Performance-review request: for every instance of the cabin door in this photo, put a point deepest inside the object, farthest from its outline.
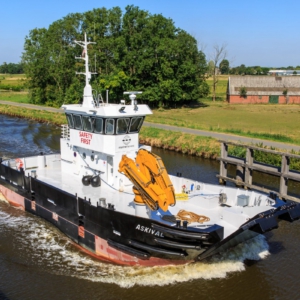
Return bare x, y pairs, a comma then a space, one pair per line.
110, 169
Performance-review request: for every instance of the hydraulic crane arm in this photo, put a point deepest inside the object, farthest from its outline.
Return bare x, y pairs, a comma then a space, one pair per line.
151, 181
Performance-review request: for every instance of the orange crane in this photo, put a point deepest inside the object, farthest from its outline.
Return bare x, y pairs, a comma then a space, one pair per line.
151, 182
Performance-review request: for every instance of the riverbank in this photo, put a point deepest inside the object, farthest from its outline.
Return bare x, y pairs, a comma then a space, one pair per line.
178, 141
175, 141
33, 112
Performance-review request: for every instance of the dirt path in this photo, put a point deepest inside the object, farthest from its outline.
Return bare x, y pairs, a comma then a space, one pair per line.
216, 135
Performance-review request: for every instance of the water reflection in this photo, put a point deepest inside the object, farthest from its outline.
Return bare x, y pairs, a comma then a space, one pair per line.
20, 137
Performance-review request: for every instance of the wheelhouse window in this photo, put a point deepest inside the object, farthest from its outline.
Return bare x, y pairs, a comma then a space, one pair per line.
77, 122
136, 124
97, 125
87, 123
70, 120
122, 125
109, 126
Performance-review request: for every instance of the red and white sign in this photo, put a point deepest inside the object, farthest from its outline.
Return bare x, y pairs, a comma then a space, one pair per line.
85, 137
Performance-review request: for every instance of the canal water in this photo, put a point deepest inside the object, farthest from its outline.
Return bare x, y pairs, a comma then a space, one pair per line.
39, 262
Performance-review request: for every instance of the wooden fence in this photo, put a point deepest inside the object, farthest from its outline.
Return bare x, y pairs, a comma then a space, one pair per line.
246, 166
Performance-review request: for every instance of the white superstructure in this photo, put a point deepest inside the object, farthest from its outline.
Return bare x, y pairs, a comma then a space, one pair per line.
99, 133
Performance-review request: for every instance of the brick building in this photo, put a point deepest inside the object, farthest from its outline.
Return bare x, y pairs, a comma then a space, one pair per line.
263, 89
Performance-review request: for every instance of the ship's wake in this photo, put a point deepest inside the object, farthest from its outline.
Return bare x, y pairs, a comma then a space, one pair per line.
41, 244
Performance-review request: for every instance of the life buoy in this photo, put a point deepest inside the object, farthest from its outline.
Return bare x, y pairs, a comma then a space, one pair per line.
19, 163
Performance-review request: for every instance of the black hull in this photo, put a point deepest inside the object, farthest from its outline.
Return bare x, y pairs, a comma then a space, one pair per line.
123, 238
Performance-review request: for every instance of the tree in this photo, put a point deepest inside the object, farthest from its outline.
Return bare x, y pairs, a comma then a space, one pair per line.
242, 69
134, 50
255, 70
224, 66
210, 68
4, 68
285, 94
243, 92
265, 71
11, 68
49, 60
219, 54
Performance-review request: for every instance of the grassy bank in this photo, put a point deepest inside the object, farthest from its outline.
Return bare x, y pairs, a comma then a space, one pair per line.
266, 121
33, 114
180, 142
175, 141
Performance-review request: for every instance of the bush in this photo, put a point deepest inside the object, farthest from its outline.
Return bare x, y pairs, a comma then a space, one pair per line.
243, 92
16, 88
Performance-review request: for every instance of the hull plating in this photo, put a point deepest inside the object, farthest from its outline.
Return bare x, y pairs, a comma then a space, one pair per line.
83, 239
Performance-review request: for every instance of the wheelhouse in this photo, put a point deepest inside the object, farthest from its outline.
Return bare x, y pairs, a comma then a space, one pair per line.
106, 126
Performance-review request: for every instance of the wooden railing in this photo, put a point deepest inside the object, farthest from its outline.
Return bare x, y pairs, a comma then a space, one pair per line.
246, 166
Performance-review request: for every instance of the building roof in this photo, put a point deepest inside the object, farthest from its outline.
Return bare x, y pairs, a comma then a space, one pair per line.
284, 72
264, 85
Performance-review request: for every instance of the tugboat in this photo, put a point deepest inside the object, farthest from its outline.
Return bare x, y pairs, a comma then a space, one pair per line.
115, 199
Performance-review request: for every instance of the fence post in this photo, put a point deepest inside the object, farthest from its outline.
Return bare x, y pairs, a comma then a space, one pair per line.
249, 164
240, 176
285, 167
223, 164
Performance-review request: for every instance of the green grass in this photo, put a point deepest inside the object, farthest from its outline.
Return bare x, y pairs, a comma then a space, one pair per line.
261, 135
180, 142
20, 97
176, 141
33, 114
220, 89
9, 83
266, 121
12, 79
205, 147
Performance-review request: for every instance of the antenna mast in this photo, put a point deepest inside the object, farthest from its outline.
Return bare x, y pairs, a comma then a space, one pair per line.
88, 99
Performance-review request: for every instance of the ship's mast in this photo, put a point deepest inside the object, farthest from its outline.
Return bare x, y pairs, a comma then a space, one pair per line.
88, 100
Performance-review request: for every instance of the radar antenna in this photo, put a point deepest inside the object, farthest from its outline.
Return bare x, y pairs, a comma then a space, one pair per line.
132, 96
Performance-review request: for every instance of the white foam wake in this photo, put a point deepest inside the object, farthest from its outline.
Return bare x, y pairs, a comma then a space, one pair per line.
45, 246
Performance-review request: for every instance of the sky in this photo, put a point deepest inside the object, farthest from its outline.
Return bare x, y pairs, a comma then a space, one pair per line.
256, 33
